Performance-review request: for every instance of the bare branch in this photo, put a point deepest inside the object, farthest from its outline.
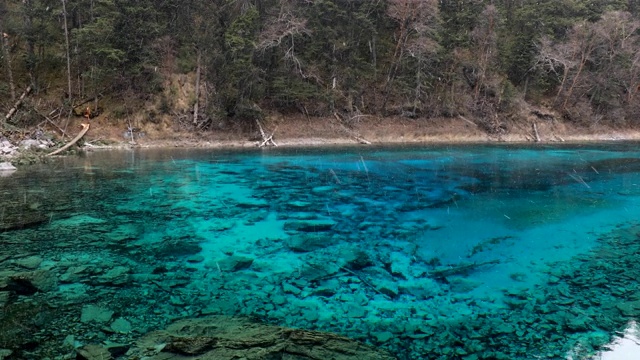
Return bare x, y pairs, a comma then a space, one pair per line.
285, 26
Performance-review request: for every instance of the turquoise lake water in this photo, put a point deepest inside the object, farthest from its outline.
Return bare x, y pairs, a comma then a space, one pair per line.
436, 252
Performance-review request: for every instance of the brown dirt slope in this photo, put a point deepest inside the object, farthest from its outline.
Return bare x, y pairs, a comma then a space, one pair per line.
301, 131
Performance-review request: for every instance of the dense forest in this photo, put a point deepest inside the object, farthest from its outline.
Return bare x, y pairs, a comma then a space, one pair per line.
242, 59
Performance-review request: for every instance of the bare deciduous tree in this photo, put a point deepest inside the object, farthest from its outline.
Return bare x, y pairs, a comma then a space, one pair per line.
281, 32
68, 56
599, 62
414, 37
416, 23
485, 40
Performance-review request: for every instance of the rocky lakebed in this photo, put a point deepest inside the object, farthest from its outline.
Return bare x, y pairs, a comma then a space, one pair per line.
264, 257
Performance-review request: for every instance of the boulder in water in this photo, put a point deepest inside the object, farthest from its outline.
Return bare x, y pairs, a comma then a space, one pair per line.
222, 338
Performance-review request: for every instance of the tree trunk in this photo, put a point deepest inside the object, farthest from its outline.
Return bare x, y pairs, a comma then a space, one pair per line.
31, 55
17, 104
565, 75
66, 38
196, 106
535, 131
574, 82
7, 63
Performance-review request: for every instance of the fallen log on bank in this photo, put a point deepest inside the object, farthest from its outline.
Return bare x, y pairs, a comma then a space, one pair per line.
17, 104
266, 139
350, 132
85, 128
535, 132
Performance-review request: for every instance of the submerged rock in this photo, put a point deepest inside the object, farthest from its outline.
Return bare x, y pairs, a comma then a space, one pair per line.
20, 216
311, 225
31, 262
119, 275
307, 242
6, 166
222, 338
231, 263
93, 352
121, 325
5, 353
97, 314
4, 298
28, 283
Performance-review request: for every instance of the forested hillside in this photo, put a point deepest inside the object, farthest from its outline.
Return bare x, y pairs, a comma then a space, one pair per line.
201, 64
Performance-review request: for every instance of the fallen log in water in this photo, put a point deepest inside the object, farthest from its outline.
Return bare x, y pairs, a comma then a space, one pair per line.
85, 128
460, 269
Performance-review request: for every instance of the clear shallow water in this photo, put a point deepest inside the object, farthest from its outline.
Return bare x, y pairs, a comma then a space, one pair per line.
439, 252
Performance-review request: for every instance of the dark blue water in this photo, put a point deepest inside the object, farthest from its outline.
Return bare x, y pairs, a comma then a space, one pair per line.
465, 252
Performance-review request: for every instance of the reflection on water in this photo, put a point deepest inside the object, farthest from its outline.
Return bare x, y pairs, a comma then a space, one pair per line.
442, 252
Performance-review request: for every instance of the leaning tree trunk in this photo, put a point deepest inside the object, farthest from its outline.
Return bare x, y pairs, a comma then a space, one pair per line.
573, 83
15, 107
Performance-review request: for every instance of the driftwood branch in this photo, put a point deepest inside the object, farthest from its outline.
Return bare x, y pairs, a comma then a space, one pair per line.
85, 128
266, 139
47, 119
350, 132
18, 103
535, 132
467, 120
365, 282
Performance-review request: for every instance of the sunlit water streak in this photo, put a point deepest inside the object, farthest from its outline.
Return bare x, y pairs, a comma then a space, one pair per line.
433, 252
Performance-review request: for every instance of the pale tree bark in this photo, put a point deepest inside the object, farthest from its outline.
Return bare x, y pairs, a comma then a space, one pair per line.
6, 54
485, 38
281, 33
4, 38
581, 65
15, 107
582, 43
66, 38
552, 57
85, 128
7, 62
196, 106
596, 58
28, 23
417, 21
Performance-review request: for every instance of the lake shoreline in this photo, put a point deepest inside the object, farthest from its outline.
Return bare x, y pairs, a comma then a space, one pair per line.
301, 132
